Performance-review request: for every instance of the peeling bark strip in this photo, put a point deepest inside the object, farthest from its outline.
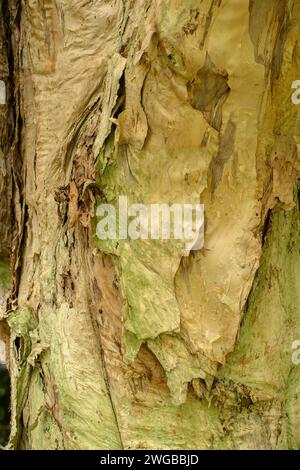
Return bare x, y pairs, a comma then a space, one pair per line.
120, 343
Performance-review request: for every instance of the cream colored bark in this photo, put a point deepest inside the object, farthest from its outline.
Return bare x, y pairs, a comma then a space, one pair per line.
128, 344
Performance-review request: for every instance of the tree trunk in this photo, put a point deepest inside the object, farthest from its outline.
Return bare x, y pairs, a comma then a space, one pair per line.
129, 343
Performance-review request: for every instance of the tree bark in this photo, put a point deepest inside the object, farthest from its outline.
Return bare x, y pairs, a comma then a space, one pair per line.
129, 344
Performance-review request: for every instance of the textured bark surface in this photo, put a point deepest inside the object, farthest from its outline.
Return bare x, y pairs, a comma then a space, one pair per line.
130, 344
